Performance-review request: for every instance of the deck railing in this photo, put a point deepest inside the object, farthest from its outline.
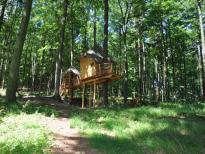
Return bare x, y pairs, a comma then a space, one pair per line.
108, 68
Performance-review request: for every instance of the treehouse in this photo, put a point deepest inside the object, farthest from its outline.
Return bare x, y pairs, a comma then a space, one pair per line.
70, 80
94, 67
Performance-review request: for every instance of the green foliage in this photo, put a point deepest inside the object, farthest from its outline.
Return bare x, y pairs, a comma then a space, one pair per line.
43, 109
168, 128
23, 134
28, 107
168, 30
20, 130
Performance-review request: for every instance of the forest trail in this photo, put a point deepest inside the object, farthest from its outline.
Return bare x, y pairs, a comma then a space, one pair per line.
66, 140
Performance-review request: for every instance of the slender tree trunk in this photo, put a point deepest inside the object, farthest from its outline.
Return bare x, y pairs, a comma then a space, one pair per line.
185, 77
144, 78
60, 52
42, 76
4, 73
24, 67
49, 83
201, 70
126, 72
33, 69
202, 44
172, 60
2, 13
85, 44
1, 66
165, 78
72, 39
12, 83
156, 81
120, 63
71, 52
105, 47
141, 68
95, 28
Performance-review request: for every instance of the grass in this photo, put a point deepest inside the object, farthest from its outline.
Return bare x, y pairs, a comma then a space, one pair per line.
20, 130
167, 128
23, 134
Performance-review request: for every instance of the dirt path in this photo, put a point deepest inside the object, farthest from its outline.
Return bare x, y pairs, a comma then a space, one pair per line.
66, 140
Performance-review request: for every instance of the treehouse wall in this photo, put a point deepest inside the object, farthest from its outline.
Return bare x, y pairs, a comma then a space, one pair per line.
87, 67
70, 80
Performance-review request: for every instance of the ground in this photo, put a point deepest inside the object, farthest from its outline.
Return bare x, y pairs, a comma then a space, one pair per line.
164, 128
66, 139
61, 128
47, 117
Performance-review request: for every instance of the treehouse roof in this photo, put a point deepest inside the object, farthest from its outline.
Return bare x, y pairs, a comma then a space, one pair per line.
73, 70
98, 56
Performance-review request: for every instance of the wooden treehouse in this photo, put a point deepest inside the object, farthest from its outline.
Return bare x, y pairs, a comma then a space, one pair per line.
70, 80
94, 70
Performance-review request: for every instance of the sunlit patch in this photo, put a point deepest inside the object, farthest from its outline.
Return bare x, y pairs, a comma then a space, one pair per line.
168, 128
23, 134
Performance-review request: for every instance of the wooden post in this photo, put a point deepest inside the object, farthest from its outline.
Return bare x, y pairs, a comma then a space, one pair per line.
94, 94
90, 91
83, 96
71, 87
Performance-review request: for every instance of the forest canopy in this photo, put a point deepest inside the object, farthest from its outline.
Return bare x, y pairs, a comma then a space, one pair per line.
159, 45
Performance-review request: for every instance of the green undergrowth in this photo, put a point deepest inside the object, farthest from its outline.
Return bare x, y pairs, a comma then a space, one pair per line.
27, 107
166, 128
23, 134
20, 129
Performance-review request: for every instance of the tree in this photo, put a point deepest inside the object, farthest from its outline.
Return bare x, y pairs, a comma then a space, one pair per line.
2, 12
199, 3
125, 15
105, 48
12, 83
60, 52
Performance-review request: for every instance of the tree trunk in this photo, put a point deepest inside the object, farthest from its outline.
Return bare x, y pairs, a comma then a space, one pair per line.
126, 68
60, 52
33, 69
164, 78
72, 39
156, 81
85, 44
2, 13
4, 73
141, 73
201, 70
105, 47
144, 78
12, 83
95, 28
120, 57
202, 44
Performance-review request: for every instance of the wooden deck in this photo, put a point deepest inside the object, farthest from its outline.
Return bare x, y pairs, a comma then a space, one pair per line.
103, 73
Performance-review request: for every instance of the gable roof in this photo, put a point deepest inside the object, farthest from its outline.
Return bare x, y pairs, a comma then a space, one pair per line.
73, 70
98, 56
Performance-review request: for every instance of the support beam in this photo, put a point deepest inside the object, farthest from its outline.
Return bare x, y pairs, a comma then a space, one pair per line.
90, 98
94, 94
83, 96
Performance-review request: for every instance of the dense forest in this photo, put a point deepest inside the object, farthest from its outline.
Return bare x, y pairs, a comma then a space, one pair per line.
159, 45
102, 76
